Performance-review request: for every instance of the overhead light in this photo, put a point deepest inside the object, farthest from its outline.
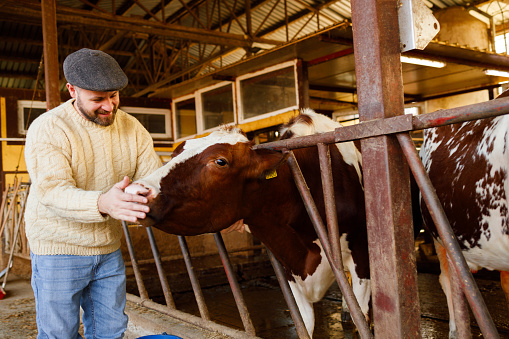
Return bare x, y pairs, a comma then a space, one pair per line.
423, 62
480, 16
496, 73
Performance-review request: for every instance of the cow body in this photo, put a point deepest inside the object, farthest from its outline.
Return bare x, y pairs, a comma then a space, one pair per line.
468, 166
212, 182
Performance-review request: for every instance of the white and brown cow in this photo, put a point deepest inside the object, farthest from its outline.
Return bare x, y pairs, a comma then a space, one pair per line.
468, 165
214, 181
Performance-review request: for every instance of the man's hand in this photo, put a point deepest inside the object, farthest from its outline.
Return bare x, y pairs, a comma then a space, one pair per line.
123, 206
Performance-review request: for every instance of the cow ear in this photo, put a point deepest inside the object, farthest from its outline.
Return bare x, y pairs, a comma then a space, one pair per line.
267, 163
178, 150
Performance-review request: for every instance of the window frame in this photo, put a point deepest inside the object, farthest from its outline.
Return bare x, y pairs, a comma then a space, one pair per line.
174, 112
22, 104
154, 111
200, 122
280, 66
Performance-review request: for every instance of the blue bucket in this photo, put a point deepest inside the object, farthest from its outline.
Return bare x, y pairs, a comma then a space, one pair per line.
159, 336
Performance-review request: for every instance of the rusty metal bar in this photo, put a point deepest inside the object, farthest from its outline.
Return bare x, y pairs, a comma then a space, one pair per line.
397, 124
330, 203
197, 255
396, 309
202, 306
160, 270
449, 241
136, 269
332, 226
288, 295
190, 318
461, 315
314, 215
480, 110
237, 294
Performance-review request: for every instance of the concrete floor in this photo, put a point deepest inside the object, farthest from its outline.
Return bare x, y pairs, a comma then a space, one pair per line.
269, 313
272, 319
17, 317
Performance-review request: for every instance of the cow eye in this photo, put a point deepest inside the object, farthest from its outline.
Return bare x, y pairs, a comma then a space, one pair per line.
221, 162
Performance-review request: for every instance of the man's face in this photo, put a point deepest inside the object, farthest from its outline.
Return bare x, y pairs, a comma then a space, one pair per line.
98, 107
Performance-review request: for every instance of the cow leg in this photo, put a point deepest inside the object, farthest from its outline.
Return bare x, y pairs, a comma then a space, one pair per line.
504, 281
305, 307
446, 286
312, 289
361, 287
346, 317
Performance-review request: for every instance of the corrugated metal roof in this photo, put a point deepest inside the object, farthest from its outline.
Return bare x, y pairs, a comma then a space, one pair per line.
150, 58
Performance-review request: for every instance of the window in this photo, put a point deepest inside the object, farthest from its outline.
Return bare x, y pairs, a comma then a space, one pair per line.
185, 117
216, 106
28, 110
157, 121
273, 90
350, 117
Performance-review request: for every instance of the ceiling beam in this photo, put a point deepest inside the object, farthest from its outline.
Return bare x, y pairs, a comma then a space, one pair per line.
65, 15
156, 88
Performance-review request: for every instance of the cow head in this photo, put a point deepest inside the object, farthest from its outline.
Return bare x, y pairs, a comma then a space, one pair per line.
201, 189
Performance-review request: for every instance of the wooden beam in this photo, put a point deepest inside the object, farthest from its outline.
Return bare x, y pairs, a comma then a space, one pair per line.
72, 16
51, 65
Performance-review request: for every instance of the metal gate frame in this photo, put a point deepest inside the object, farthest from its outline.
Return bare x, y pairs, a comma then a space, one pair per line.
388, 154
397, 128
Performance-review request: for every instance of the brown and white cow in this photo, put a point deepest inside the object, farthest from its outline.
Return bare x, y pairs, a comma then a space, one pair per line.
214, 181
468, 165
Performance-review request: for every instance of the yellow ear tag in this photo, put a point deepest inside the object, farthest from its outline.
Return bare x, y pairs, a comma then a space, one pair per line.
271, 175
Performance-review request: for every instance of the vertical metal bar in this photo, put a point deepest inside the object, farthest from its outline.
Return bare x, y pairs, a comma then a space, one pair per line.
330, 203
461, 315
448, 238
237, 294
332, 225
204, 312
51, 65
341, 278
134, 262
290, 300
160, 270
396, 309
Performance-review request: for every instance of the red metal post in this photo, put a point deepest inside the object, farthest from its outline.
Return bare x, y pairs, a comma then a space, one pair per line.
51, 65
386, 176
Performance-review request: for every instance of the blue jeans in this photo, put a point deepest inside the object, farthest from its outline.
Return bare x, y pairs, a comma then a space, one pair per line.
63, 283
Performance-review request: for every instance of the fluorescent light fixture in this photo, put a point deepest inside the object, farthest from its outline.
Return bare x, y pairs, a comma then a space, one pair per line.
496, 73
480, 17
423, 62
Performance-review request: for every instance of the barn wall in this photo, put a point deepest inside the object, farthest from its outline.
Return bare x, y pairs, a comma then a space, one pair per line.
12, 153
168, 244
457, 100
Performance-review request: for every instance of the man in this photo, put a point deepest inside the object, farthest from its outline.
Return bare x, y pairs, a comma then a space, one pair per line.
80, 156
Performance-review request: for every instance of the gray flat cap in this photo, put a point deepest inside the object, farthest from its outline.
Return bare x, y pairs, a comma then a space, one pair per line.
94, 70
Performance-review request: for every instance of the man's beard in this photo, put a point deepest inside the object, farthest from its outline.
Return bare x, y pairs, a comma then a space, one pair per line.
95, 116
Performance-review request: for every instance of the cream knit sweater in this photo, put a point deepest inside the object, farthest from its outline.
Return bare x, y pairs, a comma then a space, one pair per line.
71, 161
